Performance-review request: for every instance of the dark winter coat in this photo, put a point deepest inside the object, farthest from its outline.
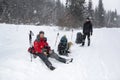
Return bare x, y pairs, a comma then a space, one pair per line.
87, 28
63, 45
64, 40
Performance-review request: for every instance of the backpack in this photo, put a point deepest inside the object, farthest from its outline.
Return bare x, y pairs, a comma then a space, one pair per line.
62, 50
79, 38
63, 46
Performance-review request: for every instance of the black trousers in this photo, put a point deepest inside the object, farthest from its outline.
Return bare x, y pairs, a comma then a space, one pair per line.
84, 37
45, 59
55, 56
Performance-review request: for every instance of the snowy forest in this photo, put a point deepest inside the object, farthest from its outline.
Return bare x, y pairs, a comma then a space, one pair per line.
72, 14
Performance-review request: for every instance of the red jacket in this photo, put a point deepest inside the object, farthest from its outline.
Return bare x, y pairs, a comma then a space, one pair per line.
40, 44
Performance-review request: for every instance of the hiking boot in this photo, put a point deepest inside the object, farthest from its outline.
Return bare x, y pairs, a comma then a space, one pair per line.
89, 43
52, 68
69, 61
83, 44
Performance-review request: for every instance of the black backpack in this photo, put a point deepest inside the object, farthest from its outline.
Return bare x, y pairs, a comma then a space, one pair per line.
79, 38
62, 49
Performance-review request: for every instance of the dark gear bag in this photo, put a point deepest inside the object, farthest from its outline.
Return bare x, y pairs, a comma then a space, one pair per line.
79, 38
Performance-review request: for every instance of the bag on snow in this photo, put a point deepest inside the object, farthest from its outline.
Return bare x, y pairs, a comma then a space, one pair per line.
63, 49
79, 38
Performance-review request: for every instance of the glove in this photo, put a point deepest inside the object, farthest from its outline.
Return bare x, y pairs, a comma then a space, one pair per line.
36, 52
45, 39
46, 47
51, 51
45, 53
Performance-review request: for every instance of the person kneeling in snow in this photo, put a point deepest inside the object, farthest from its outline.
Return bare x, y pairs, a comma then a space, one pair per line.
42, 49
64, 46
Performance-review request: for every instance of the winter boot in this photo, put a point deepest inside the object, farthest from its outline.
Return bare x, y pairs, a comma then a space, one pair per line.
69, 61
68, 51
83, 43
88, 42
52, 68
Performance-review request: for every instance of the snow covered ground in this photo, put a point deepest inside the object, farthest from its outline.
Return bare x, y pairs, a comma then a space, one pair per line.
100, 61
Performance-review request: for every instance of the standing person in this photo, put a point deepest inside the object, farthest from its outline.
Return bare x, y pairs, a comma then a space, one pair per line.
87, 31
43, 50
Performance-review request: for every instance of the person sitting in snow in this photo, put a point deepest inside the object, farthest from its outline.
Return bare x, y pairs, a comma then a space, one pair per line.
64, 46
87, 31
43, 50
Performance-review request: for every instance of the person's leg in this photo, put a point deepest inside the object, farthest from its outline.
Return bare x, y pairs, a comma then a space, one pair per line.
45, 60
63, 52
55, 56
84, 37
88, 37
60, 52
60, 49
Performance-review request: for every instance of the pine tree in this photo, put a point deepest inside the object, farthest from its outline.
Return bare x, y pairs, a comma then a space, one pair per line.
59, 9
90, 9
76, 9
96, 17
101, 14
113, 18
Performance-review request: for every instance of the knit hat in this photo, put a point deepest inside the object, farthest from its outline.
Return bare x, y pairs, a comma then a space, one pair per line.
41, 32
88, 18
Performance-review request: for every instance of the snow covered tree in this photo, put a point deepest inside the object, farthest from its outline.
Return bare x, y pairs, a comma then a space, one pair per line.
96, 17
90, 9
118, 20
27, 11
60, 11
101, 14
76, 9
112, 18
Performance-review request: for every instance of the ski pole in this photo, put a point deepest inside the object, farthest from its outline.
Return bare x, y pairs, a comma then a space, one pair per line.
56, 39
30, 42
72, 35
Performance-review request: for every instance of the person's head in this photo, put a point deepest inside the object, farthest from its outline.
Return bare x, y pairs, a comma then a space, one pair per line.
30, 31
87, 19
41, 34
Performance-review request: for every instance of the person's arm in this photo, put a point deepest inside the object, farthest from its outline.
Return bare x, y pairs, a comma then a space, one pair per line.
46, 44
91, 28
83, 27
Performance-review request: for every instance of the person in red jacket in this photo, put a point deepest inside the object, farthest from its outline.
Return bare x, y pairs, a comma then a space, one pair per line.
43, 50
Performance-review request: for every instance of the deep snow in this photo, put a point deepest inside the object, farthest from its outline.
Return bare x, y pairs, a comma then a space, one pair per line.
100, 61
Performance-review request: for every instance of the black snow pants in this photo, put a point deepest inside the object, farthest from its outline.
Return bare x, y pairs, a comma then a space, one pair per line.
55, 56
84, 37
44, 58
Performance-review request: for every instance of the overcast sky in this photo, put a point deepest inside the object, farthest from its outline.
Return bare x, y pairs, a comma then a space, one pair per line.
108, 4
